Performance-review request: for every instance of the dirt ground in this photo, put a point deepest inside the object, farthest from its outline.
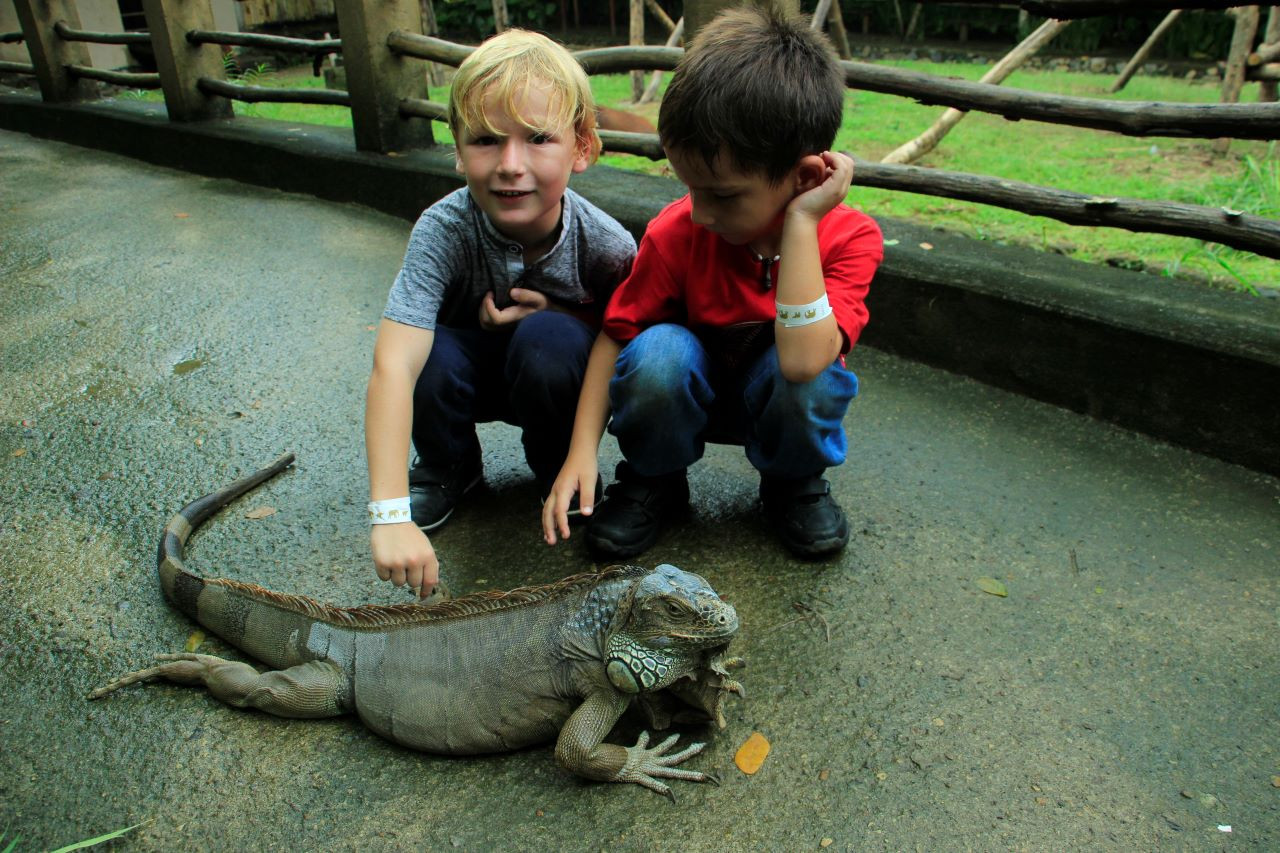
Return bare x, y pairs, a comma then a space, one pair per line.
164, 333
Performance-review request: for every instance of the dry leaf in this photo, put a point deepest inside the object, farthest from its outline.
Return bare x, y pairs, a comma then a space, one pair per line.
21, 451
926, 246
194, 641
826, 842
182, 216
752, 753
992, 586
260, 512
824, 775
1275, 781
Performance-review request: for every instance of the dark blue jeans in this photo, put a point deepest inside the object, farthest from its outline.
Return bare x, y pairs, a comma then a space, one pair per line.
669, 399
528, 377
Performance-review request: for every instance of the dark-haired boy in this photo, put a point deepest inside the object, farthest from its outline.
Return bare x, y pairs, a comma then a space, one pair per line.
742, 301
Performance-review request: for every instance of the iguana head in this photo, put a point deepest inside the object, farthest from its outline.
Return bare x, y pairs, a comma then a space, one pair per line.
672, 618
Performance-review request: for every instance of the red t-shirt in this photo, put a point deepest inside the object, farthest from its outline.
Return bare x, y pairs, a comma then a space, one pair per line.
685, 274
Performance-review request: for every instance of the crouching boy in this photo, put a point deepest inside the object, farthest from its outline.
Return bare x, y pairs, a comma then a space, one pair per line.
743, 299
499, 299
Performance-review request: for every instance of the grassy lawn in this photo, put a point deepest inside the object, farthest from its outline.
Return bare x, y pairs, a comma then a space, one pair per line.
1094, 162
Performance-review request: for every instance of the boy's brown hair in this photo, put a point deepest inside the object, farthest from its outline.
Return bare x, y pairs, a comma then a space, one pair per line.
504, 66
759, 87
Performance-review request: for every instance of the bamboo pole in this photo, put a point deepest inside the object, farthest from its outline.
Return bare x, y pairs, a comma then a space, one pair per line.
927, 141
1143, 52
501, 20
839, 34
661, 14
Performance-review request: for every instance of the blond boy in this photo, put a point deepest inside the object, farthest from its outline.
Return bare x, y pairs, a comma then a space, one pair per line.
498, 301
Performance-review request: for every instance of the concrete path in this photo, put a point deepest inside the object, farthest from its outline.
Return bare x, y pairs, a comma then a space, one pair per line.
162, 334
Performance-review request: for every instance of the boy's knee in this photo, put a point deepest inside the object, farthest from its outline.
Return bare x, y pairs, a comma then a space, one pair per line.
661, 358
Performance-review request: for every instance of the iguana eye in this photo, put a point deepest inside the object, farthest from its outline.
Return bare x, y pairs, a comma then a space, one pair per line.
674, 609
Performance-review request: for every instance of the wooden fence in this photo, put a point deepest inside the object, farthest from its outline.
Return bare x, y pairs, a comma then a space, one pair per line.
383, 49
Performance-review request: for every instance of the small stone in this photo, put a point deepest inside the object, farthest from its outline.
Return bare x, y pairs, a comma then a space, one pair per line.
826, 842
824, 774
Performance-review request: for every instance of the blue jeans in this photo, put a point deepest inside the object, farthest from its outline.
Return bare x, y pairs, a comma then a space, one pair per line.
528, 377
669, 398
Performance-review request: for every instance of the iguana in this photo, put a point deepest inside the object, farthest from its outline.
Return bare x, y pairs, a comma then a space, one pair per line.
487, 672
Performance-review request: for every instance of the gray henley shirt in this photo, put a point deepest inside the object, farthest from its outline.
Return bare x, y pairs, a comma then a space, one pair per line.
455, 256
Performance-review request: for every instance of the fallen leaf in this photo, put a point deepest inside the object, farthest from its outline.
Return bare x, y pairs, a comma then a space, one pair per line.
21, 451
182, 216
824, 775
1275, 781
194, 641
260, 512
826, 842
752, 753
891, 242
370, 328
992, 587
926, 246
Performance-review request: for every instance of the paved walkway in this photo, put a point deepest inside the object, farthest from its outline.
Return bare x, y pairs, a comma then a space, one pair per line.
163, 333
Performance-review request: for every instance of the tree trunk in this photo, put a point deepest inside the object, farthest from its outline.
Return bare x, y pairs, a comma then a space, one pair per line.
1143, 52
1233, 79
838, 33
637, 40
1271, 38
927, 141
501, 21
655, 80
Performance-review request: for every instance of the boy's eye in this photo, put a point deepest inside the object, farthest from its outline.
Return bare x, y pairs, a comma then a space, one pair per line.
485, 140
540, 138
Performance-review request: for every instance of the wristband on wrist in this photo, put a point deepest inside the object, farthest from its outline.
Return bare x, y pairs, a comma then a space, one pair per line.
803, 315
392, 511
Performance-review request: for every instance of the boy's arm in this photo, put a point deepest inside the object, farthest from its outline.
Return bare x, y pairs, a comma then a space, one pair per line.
805, 351
581, 466
401, 552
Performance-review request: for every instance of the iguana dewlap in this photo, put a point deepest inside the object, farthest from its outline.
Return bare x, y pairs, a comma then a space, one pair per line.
485, 673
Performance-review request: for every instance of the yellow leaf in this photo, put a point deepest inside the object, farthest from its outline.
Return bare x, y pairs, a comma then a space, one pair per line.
194, 641
21, 451
992, 587
752, 753
926, 246
260, 512
182, 216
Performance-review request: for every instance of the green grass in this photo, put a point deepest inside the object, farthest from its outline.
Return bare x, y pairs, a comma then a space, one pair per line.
1086, 161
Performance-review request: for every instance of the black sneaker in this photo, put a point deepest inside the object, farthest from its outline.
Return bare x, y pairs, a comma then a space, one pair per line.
637, 507
803, 512
434, 490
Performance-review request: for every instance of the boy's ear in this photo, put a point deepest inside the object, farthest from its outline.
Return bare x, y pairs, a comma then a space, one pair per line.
583, 150
810, 172
457, 161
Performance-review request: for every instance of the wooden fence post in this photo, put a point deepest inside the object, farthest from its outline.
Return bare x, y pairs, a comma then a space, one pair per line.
378, 79
1267, 93
1233, 79
181, 64
637, 40
50, 53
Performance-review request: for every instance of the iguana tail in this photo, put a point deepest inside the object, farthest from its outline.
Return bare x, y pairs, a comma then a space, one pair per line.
179, 585
263, 623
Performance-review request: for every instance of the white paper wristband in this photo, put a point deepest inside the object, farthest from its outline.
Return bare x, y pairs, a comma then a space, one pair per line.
393, 511
803, 315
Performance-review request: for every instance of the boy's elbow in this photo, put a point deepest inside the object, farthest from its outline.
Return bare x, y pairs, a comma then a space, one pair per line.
801, 373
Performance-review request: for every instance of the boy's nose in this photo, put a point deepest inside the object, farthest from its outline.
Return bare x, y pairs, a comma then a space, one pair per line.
512, 161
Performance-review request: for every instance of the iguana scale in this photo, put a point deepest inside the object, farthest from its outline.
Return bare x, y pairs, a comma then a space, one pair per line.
488, 672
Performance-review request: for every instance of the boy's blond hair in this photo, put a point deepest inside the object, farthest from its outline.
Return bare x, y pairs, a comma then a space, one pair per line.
504, 67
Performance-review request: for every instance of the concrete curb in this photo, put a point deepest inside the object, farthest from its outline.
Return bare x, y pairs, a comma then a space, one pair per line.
1192, 366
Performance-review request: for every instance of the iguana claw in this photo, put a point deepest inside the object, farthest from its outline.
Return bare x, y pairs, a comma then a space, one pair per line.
643, 764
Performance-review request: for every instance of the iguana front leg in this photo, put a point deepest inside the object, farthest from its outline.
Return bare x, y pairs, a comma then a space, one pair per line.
310, 690
581, 749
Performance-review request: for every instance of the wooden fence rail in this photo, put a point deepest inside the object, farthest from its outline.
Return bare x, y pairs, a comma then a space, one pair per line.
386, 96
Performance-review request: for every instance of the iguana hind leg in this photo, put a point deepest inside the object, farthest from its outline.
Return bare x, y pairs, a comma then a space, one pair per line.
307, 691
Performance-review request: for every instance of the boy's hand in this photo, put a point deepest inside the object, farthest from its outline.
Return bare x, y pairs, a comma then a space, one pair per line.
821, 199
579, 479
403, 555
526, 302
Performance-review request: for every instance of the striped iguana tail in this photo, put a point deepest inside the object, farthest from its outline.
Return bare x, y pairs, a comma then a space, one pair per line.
181, 586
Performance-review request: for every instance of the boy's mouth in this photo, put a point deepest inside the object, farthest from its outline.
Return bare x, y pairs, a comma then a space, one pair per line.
512, 193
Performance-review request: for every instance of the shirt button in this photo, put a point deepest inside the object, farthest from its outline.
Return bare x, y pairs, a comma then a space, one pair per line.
515, 250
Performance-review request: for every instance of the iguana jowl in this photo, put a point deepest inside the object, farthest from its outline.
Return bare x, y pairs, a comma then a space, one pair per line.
484, 673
